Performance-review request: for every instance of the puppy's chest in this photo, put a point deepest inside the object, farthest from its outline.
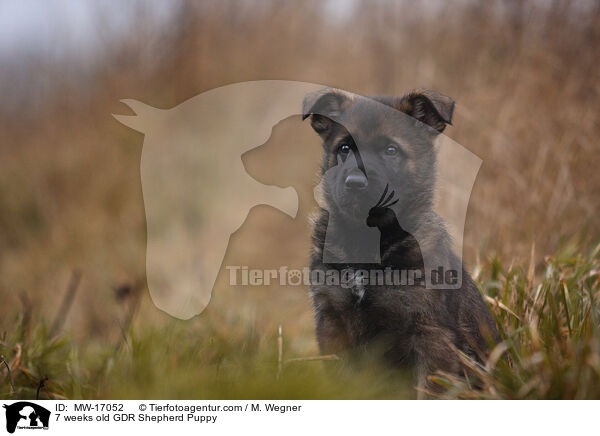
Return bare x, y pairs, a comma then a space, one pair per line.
368, 310
357, 288
358, 293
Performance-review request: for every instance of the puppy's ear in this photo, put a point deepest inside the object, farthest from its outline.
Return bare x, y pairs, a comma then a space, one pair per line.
429, 107
321, 106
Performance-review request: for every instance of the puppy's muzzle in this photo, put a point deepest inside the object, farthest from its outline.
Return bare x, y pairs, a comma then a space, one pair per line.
356, 179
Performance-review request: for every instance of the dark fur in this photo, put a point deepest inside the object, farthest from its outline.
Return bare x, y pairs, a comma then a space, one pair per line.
407, 326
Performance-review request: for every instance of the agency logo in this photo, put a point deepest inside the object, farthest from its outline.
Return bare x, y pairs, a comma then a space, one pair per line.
24, 415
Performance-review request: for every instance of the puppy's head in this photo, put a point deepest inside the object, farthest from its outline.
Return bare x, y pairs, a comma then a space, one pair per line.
373, 142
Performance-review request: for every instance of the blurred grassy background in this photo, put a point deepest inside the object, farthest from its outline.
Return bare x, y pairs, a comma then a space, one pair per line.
524, 75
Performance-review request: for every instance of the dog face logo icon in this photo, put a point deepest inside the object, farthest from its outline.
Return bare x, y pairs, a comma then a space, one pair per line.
26, 415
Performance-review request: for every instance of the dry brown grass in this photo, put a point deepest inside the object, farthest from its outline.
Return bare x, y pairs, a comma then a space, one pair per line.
524, 76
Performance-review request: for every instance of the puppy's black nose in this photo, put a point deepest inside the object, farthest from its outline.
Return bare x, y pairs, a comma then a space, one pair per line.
356, 179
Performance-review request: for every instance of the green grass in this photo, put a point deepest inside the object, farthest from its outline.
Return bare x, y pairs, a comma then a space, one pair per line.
551, 331
548, 315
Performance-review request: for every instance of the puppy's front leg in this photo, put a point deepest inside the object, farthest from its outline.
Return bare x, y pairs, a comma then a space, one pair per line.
434, 352
331, 333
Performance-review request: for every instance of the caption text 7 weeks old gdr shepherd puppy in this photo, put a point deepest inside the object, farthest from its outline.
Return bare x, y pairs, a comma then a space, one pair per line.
408, 325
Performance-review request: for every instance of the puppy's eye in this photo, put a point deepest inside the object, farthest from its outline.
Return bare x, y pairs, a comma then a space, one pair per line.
344, 148
391, 150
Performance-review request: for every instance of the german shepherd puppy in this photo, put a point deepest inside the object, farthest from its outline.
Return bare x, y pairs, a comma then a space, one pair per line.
407, 325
